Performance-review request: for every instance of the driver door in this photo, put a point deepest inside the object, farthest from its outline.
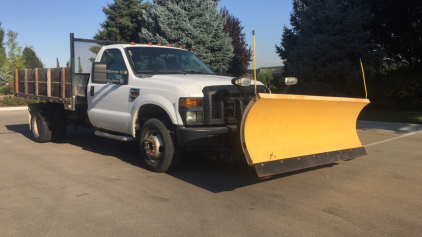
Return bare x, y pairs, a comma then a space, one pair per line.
108, 102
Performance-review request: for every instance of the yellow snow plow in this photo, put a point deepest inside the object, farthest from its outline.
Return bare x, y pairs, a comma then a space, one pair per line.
284, 132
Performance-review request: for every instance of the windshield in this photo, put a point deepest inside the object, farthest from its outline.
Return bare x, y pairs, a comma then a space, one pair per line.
153, 60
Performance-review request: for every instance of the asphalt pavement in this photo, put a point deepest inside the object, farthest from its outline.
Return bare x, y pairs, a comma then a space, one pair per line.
94, 186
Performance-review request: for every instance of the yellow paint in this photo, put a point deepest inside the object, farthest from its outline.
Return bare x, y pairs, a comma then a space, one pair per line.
286, 126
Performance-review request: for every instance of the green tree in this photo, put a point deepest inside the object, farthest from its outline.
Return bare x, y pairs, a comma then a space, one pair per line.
325, 43
30, 58
122, 21
68, 64
57, 63
397, 27
14, 55
266, 78
3, 59
242, 54
196, 25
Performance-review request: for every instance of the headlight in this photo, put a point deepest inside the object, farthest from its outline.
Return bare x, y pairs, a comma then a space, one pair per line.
193, 117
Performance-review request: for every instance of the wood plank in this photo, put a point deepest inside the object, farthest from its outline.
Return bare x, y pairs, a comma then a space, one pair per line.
26, 81
21, 83
36, 81
16, 81
31, 81
49, 82
63, 82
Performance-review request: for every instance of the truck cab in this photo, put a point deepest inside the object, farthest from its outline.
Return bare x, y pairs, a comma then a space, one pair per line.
131, 84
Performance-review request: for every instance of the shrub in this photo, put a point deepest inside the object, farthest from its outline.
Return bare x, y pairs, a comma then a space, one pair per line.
7, 89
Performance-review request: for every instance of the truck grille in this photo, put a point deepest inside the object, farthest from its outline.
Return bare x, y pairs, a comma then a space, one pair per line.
222, 104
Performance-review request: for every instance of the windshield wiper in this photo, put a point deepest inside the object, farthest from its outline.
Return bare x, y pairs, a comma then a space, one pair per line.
193, 72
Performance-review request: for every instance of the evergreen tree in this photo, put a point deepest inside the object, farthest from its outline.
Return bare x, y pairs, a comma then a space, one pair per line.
57, 63
242, 54
327, 39
30, 58
195, 24
122, 23
397, 27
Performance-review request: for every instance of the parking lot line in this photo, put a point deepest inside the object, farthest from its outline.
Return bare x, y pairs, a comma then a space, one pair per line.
391, 139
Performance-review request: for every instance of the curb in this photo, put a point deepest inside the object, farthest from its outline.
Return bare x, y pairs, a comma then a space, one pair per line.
397, 127
13, 108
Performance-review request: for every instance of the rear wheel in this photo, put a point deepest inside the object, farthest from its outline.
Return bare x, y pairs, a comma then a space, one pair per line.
157, 145
40, 130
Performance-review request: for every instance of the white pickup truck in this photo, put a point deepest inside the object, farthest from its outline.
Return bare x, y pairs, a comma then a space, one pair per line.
162, 96
168, 100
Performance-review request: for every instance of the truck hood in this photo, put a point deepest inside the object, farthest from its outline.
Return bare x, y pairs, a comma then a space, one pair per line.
195, 83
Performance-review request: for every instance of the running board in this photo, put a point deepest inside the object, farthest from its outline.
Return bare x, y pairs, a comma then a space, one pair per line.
115, 137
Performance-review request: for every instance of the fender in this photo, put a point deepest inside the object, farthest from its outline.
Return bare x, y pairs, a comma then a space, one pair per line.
158, 100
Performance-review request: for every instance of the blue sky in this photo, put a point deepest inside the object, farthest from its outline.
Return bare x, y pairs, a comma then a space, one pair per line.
46, 24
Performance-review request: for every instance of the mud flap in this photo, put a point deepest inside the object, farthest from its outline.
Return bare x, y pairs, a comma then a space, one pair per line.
282, 133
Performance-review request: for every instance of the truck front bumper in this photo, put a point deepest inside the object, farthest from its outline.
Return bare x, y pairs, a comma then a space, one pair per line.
206, 136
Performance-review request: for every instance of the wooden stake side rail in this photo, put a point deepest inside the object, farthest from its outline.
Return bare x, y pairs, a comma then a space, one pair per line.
51, 84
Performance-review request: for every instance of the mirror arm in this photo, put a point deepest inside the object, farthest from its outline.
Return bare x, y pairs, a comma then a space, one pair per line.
243, 93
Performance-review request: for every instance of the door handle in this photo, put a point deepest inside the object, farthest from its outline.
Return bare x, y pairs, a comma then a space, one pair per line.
92, 91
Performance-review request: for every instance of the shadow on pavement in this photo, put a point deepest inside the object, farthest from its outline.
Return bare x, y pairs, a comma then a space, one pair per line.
213, 176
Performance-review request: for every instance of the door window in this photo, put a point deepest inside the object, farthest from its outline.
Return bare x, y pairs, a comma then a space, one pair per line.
114, 60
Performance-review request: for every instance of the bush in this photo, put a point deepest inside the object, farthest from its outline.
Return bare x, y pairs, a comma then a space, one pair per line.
7, 89
396, 89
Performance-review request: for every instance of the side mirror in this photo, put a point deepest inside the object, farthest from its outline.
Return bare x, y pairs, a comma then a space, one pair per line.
99, 74
221, 71
289, 81
240, 81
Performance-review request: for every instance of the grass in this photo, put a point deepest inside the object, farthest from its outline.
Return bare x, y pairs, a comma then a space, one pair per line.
391, 116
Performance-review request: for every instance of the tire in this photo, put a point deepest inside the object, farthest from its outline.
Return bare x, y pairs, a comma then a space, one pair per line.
40, 130
158, 146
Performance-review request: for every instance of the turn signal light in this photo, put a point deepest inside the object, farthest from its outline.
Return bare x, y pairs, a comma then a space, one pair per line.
190, 102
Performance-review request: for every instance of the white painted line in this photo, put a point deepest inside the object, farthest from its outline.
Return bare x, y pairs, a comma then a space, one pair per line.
13, 108
405, 135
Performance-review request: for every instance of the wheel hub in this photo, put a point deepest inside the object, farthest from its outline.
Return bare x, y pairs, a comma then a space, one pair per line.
153, 146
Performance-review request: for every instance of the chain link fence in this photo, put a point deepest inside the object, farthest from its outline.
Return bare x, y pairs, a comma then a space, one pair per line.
84, 52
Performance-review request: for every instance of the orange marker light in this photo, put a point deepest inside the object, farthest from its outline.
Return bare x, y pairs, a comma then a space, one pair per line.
193, 102
159, 44
168, 45
190, 102
132, 43
180, 47
182, 103
149, 43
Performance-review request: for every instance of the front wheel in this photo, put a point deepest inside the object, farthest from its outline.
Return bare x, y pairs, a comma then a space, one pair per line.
158, 147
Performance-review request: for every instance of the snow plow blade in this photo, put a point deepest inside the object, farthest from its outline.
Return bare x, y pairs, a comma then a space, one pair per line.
282, 133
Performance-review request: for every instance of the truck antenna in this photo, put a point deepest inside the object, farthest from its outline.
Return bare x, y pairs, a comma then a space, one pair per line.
364, 82
254, 61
